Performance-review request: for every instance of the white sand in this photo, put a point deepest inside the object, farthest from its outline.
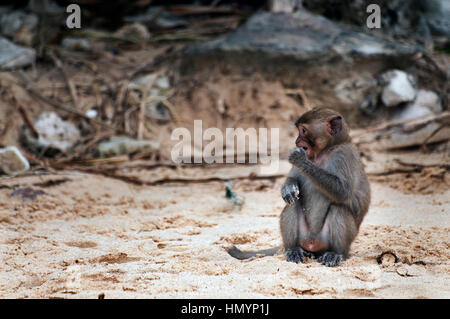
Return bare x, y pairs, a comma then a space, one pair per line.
95, 235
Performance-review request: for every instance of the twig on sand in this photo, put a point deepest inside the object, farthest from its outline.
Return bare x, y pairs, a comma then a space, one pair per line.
141, 118
70, 84
24, 82
137, 181
25, 117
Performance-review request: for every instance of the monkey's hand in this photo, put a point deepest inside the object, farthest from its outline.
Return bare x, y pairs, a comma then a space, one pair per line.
297, 157
290, 193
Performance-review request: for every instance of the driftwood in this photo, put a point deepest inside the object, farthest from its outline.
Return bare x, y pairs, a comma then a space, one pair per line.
189, 180
403, 134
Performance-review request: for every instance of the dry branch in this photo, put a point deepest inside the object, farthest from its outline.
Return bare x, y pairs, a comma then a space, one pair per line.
70, 84
137, 181
25, 117
25, 83
402, 134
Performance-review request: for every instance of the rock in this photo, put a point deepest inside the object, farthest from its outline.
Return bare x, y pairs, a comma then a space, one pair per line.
19, 26
47, 7
410, 270
135, 31
399, 19
92, 113
426, 103
142, 82
284, 5
303, 36
162, 82
398, 88
55, 134
158, 17
12, 162
436, 14
412, 111
15, 56
118, 145
77, 44
429, 99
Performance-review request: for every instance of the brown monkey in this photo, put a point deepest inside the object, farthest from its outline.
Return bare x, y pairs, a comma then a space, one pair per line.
327, 192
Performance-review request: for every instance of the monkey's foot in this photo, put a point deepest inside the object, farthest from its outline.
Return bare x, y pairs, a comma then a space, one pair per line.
330, 259
296, 255
308, 254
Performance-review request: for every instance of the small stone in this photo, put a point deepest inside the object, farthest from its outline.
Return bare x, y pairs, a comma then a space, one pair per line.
142, 82
158, 17
284, 5
399, 88
412, 111
19, 26
163, 82
428, 99
12, 162
15, 56
77, 44
135, 31
118, 145
426, 103
410, 270
53, 133
92, 114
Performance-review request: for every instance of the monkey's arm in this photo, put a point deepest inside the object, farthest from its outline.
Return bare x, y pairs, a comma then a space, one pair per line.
333, 182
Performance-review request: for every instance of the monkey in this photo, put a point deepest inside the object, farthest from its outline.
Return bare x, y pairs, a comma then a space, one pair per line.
327, 192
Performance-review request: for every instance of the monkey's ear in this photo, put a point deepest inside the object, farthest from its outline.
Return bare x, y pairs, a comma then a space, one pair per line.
334, 125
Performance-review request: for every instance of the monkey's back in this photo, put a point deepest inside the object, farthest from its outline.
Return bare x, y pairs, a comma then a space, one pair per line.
342, 161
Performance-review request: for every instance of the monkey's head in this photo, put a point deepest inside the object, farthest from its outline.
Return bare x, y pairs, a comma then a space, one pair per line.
319, 129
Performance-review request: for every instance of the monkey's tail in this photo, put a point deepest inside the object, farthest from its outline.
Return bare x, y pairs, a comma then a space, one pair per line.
239, 254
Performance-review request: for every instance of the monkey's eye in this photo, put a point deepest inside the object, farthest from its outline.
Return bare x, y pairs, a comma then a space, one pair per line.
303, 130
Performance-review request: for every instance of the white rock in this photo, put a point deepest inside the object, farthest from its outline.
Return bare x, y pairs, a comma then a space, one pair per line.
284, 5
142, 82
12, 162
428, 99
412, 111
426, 103
77, 44
136, 31
92, 114
54, 132
118, 145
15, 56
163, 82
399, 88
